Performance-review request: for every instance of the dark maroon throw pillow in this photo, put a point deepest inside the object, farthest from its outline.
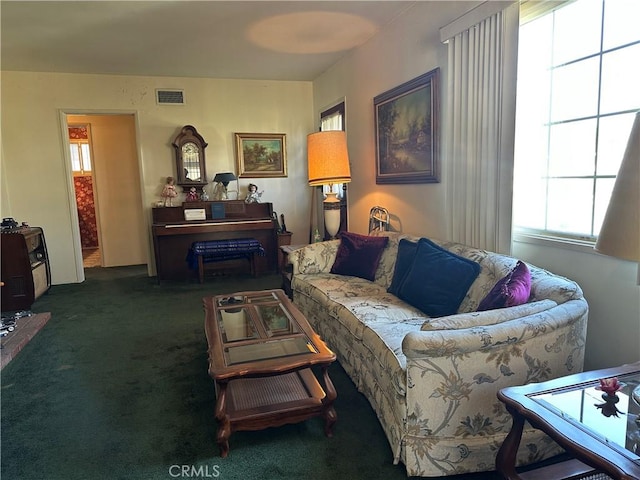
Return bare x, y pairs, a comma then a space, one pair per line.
359, 255
511, 290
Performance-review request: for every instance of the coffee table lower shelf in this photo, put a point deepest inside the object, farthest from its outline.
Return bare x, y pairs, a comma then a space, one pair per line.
262, 402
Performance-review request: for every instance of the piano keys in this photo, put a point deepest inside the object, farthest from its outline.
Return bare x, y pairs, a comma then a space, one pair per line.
173, 235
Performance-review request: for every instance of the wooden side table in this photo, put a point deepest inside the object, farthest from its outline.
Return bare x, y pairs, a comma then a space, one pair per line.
285, 268
571, 411
284, 238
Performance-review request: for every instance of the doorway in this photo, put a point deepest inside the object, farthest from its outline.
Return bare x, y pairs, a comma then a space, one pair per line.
108, 192
81, 167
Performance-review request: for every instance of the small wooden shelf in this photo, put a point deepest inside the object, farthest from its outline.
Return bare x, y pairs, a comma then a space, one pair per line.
254, 400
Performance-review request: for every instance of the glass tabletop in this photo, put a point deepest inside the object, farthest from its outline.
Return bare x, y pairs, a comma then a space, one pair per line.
259, 327
613, 420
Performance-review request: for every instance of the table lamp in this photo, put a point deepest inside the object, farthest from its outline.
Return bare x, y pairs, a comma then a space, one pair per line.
222, 182
328, 164
620, 233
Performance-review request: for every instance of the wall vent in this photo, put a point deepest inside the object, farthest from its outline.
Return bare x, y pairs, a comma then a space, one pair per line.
170, 97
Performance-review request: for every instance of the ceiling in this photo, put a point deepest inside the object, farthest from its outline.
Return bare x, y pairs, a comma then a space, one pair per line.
276, 40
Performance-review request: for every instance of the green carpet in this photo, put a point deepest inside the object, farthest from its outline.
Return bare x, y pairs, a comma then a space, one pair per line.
115, 386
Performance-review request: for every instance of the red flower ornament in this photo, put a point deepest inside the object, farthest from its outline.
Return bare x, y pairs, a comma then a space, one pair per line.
610, 386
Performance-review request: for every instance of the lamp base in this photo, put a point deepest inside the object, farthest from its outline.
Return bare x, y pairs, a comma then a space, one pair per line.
331, 207
219, 192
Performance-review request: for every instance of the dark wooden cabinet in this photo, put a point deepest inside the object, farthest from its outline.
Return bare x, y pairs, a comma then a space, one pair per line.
26, 274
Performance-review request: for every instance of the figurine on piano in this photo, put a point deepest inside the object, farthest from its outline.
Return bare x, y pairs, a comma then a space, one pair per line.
253, 196
192, 196
169, 192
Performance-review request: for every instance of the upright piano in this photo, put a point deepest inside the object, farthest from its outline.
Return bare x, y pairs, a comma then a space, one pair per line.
173, 235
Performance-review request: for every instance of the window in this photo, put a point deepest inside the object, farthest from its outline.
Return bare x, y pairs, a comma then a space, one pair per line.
578, 77
333, 119
80, 157
80, 149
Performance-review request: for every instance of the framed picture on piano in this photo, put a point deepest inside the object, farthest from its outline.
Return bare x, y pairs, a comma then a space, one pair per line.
261, 155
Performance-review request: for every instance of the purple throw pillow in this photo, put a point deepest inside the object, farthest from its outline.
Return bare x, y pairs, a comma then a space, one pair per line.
511, 290
359, 255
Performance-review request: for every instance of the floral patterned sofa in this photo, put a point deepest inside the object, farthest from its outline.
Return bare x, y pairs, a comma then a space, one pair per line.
433, 381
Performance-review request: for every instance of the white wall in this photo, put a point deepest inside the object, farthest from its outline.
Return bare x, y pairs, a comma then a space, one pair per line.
34, 180
609, 285
405, 49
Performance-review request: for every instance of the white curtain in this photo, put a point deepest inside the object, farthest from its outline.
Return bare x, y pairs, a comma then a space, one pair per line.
317, 213
480, 130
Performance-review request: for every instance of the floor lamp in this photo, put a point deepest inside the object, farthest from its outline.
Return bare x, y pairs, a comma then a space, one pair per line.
620, 232
328, 164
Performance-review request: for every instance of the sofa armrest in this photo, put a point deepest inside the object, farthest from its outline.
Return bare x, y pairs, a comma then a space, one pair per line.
487, 317
314, 258
445, 343
453, 375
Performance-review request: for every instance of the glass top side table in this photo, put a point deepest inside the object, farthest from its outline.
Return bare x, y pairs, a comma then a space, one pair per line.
614, 420
602, 435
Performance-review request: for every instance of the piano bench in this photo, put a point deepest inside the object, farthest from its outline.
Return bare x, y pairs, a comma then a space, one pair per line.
211, 251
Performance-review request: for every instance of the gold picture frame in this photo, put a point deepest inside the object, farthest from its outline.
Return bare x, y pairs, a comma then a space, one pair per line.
261, 155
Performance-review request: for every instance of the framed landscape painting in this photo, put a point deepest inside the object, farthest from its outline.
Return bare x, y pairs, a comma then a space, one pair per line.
407, 131
261, 155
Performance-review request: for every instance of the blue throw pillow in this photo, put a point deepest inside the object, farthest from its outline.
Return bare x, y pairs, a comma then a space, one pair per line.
404, 259
438, 280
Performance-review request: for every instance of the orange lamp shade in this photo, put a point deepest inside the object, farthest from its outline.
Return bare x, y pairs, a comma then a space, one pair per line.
328, 158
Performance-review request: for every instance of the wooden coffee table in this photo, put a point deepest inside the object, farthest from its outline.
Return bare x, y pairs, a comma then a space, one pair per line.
261, 350
601, 436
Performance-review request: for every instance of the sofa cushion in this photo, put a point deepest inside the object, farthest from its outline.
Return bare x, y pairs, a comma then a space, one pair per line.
406, 254
355, 302
358, 255
490, 317
511, 290
438, 280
